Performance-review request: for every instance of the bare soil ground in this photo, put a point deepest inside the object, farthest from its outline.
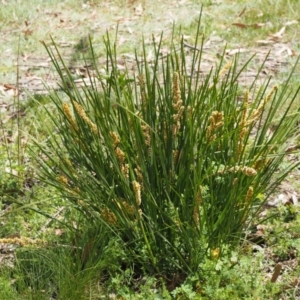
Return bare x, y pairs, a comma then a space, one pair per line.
69, 24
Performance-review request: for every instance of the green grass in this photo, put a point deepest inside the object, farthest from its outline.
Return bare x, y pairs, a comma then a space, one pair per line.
76, 272
79, 171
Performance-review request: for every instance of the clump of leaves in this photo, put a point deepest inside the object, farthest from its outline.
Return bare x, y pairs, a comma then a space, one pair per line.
172, 164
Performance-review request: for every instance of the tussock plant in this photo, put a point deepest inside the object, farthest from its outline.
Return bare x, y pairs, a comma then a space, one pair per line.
173, 164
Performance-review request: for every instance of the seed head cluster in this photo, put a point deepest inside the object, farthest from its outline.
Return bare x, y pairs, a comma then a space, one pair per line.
248, 171
225, 69
115, 138
108, 216
177, 105
249, 194
146, 133
62, 179
80, 110
256, 114
216, 120
23, 241
67, 111
137, 192
125, 170
120, 155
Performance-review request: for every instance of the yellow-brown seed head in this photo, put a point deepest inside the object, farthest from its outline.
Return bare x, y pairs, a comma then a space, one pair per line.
85, 118
225, 69
115, 137
215, 120
258, 112
243, 122
73, 191
234, 169
125, 170
269, 96
81, 202
249, 194
176, 89
108, 216
62, 179
139, 174
129, 209
80, 111
137, 192
146, 132
23, 241
120, 155
248, 171
176, 128
260, 163
69, 116
177, 116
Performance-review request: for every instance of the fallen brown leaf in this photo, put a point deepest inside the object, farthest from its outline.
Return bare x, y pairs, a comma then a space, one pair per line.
241, 25
255, 26
8, 86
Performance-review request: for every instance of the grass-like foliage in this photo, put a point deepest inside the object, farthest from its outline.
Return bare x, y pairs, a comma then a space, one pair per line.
173, 164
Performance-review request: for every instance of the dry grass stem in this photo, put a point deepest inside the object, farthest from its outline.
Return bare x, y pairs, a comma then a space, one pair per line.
23, 241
